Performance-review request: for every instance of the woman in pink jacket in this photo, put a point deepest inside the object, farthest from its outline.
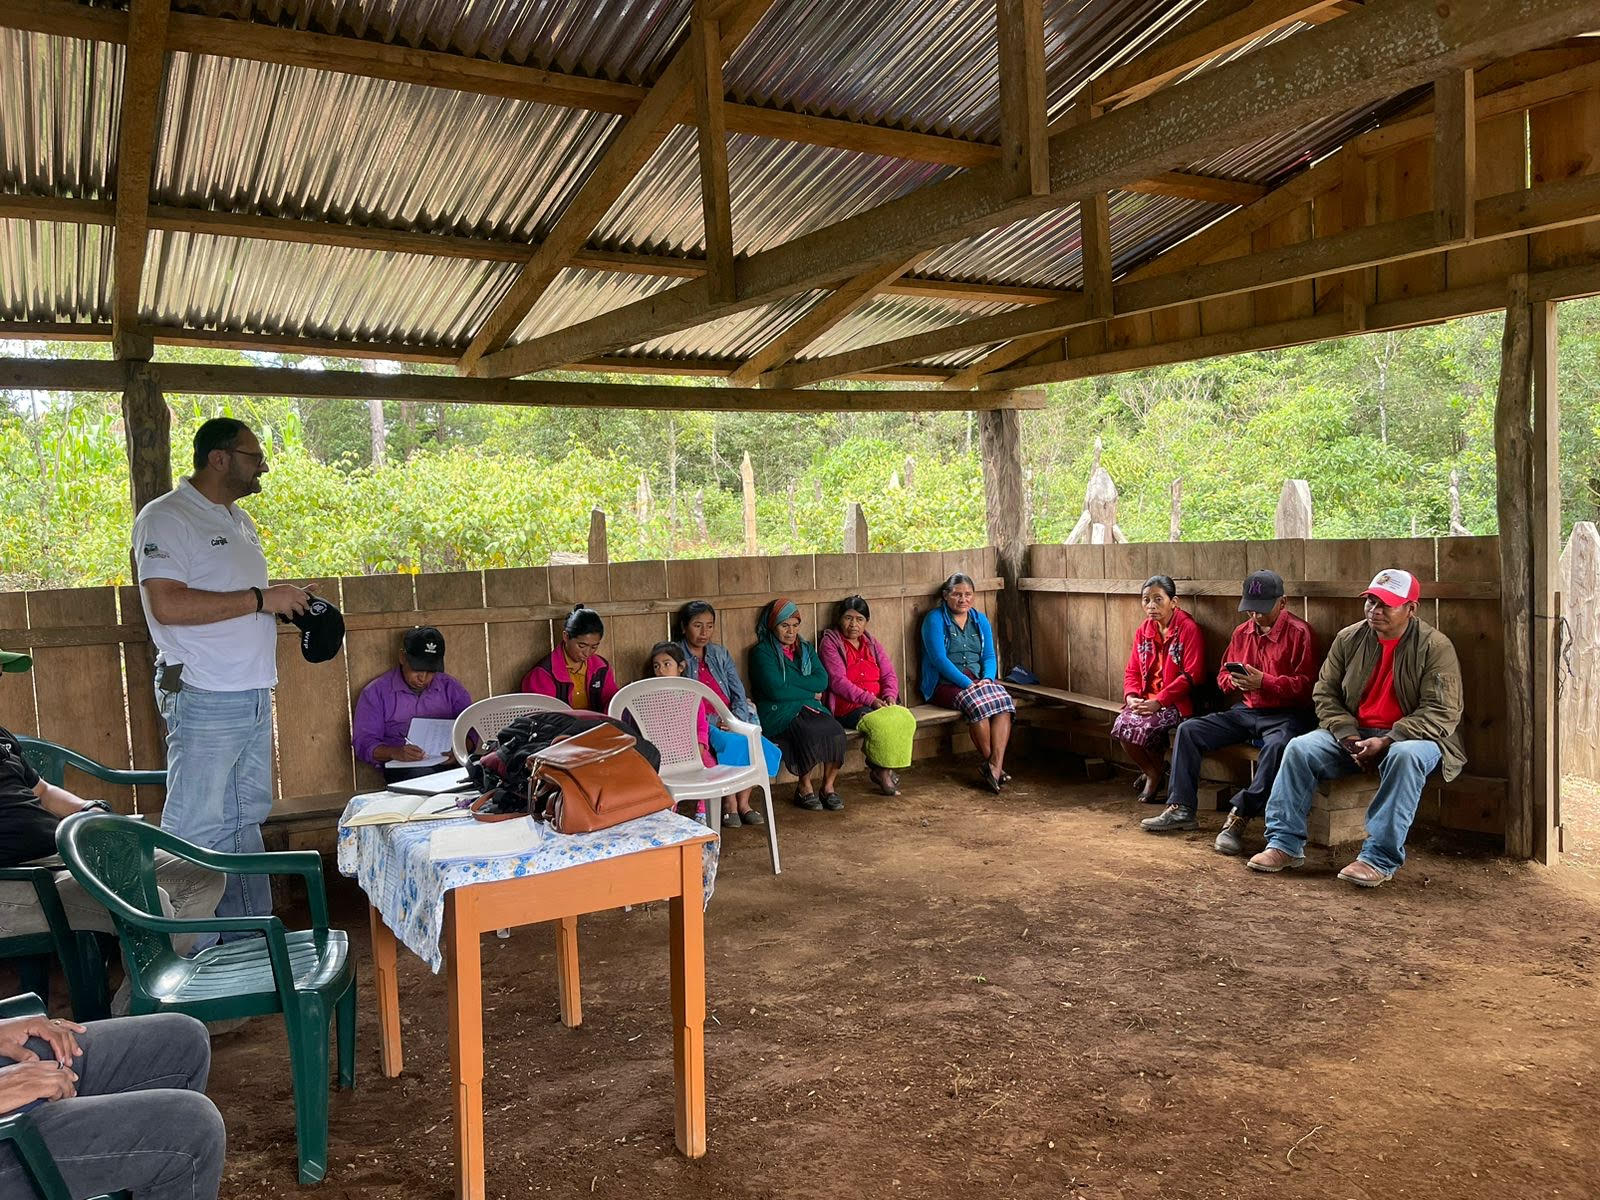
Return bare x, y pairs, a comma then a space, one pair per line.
864, 693
1168, 656
574, 673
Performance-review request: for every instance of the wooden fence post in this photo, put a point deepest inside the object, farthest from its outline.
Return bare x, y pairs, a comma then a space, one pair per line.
146, 423
747, 476
1580, 695
1175, 522
599, 551
1293, 518
855, 529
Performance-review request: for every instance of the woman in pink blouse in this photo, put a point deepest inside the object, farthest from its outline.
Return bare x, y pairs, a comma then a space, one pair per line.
864, 693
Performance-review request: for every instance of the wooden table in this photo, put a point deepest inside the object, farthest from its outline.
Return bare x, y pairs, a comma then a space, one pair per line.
670, 873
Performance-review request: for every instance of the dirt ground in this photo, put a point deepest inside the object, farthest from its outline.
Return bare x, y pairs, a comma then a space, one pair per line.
951, 995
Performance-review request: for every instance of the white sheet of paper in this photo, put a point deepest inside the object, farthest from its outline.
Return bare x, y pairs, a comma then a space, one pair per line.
431, 735
486, 839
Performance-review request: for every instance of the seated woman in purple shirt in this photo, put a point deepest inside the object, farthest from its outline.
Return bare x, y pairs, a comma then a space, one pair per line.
417, 687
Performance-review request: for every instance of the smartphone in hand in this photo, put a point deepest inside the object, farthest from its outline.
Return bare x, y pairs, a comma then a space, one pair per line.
1234, 668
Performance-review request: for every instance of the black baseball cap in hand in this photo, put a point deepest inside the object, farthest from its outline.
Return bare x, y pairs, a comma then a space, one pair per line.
1262, 589
321, 630
423, 647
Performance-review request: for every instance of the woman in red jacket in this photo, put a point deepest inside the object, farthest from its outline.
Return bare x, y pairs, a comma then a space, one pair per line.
1168, 656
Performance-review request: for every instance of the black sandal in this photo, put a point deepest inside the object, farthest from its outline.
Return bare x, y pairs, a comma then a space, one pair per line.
809, 801
988, 779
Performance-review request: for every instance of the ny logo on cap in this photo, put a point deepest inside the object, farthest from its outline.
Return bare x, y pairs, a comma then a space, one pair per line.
1255, 587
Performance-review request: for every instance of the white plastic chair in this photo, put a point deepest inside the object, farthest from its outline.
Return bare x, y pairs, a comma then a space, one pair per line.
489, 716
666, 712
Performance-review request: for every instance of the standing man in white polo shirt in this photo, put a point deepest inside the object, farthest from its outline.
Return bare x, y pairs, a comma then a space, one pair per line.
213, 619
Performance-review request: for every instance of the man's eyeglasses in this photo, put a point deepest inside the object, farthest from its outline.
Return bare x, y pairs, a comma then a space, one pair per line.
257, 455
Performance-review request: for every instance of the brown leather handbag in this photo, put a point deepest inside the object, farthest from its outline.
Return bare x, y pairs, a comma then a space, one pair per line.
594, 780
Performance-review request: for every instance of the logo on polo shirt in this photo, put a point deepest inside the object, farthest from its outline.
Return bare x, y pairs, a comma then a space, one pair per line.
151, 550
219, 540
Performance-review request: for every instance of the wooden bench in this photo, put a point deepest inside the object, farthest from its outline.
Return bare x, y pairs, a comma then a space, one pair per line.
1337, 815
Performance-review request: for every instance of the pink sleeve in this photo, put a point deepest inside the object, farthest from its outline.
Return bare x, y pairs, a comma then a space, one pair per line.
540, 682
609, 688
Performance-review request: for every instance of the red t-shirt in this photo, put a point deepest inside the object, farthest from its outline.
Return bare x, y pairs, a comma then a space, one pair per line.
1379, 707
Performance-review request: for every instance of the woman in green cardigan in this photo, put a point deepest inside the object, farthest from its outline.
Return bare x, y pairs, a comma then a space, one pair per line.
786, 679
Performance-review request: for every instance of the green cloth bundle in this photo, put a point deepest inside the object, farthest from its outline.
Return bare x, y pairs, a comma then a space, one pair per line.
886, 735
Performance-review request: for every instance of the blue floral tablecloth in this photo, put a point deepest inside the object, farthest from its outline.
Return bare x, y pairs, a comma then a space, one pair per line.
391, 864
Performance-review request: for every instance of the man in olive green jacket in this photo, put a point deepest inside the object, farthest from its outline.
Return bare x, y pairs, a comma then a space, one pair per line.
1388, 698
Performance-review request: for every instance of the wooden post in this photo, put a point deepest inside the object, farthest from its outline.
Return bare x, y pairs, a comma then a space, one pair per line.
1545, 532
1455, 156
1580, 694
599, 551
1175, 523
855, 529
1006, 508
146, 423
747, 476
1457, 529
1513, 454
1293, 518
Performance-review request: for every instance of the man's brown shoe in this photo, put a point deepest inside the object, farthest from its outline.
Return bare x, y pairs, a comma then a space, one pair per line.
1363, 874
1272, 860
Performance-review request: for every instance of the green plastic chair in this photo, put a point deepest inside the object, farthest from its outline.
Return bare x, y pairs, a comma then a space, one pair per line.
52, 761
307, 975
18, 1129
80, 953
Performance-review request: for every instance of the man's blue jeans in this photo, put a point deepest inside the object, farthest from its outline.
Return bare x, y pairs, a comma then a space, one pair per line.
1316, 756
219, 781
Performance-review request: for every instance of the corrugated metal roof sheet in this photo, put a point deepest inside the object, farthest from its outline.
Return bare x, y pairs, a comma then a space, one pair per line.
257, 137
51, 272
212, 282
59, 99
287, 141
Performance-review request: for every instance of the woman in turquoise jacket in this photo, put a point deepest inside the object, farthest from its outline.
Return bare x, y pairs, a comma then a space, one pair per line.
959, 671
787, 678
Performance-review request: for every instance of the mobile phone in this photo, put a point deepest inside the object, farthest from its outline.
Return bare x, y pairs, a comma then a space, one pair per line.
1234, 668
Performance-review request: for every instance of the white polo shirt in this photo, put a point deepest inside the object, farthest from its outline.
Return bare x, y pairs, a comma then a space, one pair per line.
211, 548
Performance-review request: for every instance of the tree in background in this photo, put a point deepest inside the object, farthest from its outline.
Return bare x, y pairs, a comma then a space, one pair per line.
1376, 424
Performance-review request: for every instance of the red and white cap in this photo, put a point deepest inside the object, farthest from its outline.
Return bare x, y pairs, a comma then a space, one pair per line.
1394, 587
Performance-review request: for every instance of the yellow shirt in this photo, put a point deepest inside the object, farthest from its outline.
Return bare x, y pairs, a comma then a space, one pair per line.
579, 674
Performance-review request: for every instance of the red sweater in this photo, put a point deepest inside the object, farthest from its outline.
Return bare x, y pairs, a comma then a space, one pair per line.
1170, 666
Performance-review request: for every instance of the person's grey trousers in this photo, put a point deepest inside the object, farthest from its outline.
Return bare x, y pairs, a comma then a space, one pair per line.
140, 1122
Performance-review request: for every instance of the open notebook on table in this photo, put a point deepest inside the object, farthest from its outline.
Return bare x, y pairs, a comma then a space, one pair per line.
396, 810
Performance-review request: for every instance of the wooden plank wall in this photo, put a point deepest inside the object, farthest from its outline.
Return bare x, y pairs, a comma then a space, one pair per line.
91, 687
1082, 637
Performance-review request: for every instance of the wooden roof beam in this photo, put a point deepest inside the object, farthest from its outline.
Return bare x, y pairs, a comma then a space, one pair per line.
142, 74
1163, 63
705, 42
817, 320
625, 155
1024, 133
206, 380
70, 211
1547, 206
1368, 56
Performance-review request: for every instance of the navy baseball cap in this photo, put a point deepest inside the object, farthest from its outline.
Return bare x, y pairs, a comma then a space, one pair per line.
1262, 589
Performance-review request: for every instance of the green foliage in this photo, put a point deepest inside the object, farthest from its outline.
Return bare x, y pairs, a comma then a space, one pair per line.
1375, 424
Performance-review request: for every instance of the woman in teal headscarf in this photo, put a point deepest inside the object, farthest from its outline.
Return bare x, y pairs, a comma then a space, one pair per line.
787, 678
